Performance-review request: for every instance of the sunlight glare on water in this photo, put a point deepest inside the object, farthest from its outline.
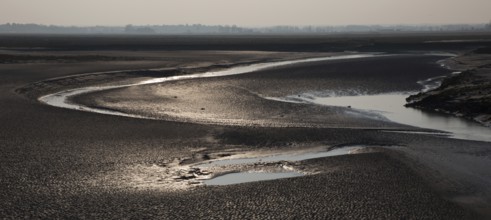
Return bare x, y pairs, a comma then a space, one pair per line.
236, 178
392, 107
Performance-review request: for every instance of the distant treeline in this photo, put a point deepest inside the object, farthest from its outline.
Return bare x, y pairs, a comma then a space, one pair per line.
226, 29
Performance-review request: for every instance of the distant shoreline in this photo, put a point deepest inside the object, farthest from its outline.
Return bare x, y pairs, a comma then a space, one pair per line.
194, 29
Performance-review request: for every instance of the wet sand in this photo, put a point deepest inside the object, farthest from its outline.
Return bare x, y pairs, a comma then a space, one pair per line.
240, 99
60, 163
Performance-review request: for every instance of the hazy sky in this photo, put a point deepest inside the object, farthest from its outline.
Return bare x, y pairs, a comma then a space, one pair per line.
244, 13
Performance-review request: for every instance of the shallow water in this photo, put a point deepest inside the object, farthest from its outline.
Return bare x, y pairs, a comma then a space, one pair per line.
391, 106
244, 177
236, 178
294, 156
61, 99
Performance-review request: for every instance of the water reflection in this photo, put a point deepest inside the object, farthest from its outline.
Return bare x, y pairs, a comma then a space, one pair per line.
293, 156
235, 178
62, 99
391, 106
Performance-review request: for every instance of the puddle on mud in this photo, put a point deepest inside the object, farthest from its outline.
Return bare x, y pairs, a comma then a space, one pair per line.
285, 172
174, 175
294, 156
246, 177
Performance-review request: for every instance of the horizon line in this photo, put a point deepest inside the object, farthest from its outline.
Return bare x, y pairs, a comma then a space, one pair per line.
250, 26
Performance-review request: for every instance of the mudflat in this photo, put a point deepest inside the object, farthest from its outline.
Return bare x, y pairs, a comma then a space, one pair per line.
63, 163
